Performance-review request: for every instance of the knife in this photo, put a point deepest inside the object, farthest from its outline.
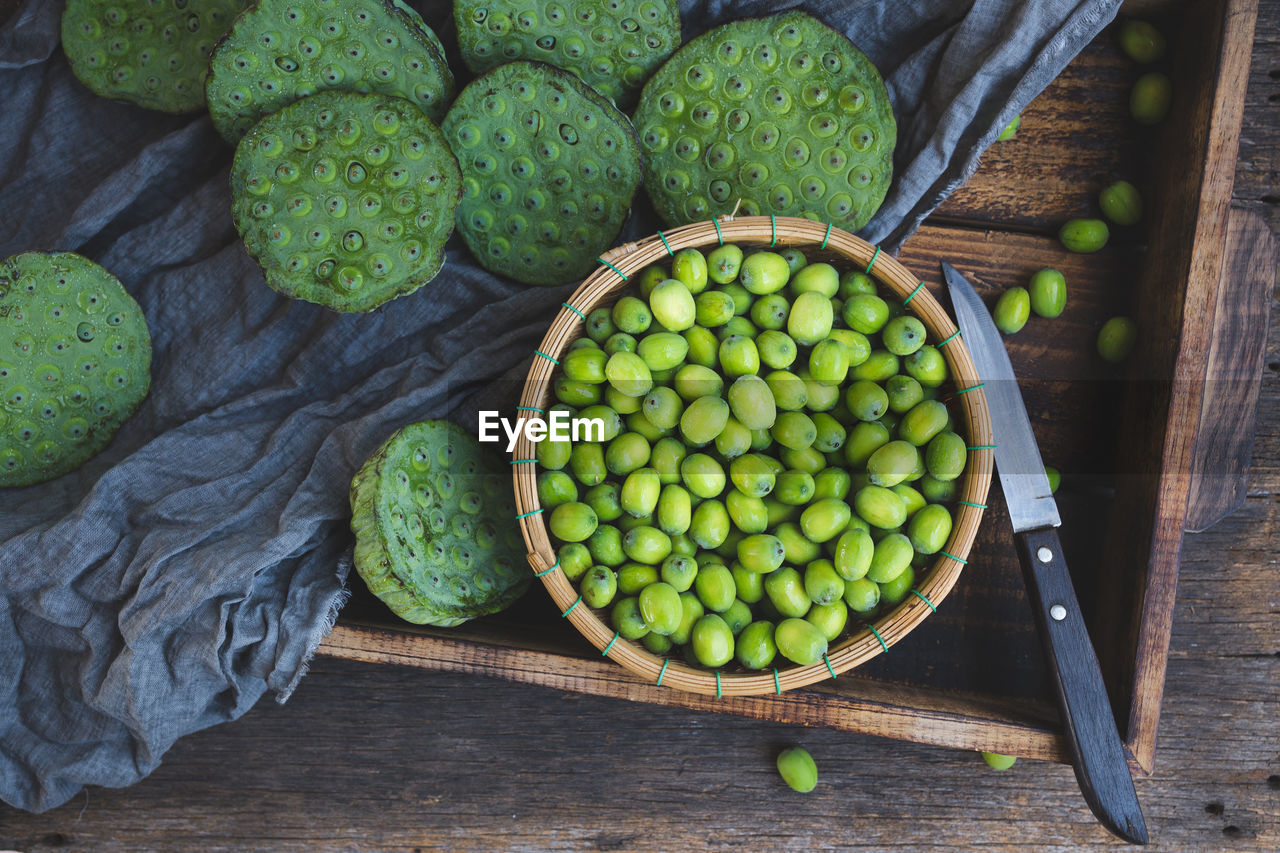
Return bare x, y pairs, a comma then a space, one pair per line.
1092, 739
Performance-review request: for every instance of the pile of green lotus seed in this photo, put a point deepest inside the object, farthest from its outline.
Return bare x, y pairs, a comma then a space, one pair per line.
777, 456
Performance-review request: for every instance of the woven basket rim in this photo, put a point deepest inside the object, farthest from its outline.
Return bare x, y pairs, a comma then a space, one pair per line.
617, 267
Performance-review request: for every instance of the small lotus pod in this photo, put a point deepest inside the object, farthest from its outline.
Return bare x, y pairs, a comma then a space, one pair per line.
345, 200
782, 113
435, 524
153, 53
75, 363
549, 168
282, 50
613, 47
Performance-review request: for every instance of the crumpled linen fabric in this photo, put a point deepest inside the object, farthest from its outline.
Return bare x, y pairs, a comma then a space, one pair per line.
197, 562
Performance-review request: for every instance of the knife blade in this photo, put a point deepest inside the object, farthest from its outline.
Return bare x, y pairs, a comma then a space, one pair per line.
1090, 728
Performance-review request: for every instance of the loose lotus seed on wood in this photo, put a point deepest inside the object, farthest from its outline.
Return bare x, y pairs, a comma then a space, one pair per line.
613, 46
283, 50
434, 519
782, 113
549, 169
75, 363
345, 200
153, 53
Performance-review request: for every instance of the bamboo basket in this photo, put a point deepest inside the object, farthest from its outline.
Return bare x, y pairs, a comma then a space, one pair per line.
843, 250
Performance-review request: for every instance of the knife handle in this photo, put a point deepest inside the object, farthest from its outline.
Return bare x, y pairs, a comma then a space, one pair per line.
1089, 724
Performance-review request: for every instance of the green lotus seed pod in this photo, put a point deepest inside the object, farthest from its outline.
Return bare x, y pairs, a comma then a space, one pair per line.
627, 41
1116, 339
155, 55
350, 244
431, 513
282, 50
1048, 291
559, 165
1010, 130
1141, 41
799, 641
1121, 203
75, 363
1149, 99
1012, 310
780, 114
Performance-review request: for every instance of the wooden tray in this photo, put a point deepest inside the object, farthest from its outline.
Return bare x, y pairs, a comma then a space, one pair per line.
1146, 451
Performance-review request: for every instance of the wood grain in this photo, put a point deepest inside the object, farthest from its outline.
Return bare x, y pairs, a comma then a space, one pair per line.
1224, 437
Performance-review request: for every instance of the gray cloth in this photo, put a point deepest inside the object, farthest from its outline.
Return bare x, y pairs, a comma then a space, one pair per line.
196, 563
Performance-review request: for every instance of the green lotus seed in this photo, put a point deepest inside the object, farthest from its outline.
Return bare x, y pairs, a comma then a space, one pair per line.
1012, 310
1121, 203
1150, 97
1117, 338
1048, 290
1141, 41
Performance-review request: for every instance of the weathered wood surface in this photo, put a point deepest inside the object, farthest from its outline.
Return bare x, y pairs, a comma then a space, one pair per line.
377, 757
